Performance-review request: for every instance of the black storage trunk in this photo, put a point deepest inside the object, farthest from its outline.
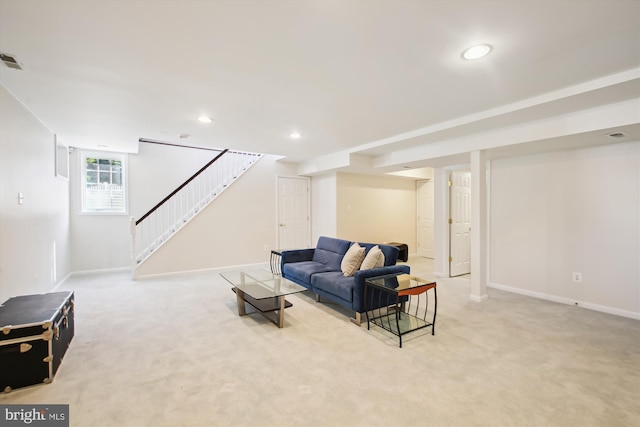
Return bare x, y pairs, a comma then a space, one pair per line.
35, 332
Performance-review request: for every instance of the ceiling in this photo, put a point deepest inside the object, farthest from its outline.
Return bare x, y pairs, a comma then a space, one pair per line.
371, 79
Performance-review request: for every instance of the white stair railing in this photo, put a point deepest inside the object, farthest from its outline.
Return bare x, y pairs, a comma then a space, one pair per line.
155, 227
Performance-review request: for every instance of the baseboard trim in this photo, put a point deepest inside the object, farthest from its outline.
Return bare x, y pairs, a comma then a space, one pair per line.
203, 270
567, 301
100, 271
61, 282
479, 298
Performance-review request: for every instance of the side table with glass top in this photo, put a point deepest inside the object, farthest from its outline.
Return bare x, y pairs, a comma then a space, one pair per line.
405, 302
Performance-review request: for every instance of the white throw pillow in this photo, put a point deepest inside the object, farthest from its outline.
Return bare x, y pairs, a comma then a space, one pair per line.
352, 260
374, 259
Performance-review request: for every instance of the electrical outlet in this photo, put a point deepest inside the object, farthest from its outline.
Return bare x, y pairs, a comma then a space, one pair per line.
266, 248
577, 277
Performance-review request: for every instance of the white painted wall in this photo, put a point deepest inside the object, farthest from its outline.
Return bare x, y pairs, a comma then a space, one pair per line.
28, 232
323, 206
232, 231
156, 170
376, 209
572, 211
152, 173
98, 242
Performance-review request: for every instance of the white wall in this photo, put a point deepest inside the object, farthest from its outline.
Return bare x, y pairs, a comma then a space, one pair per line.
232, 231
376, 209
323, 206
573, 211
103, 242
156, 170
29, 232
98, 242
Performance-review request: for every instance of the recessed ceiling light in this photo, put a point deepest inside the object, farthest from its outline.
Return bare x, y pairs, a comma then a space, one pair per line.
204, 119
294, 135
477, 51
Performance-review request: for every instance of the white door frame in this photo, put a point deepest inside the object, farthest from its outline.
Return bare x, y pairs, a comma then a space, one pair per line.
277, 224
441, 218
440, 221
461, 228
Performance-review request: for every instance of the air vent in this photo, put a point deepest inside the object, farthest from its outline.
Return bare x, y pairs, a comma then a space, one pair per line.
10, 61
617, 135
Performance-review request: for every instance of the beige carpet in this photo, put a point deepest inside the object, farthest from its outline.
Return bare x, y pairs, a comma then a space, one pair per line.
173, 352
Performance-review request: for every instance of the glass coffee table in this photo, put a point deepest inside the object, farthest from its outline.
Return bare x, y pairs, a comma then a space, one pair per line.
406, 303
262, 290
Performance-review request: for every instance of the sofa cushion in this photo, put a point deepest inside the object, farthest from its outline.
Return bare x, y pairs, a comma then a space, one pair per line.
390, 252
330, 251
334, 283
352, 260
373, 259
302, 271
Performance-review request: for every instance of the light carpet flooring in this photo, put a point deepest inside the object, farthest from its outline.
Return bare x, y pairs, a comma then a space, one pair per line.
174, 352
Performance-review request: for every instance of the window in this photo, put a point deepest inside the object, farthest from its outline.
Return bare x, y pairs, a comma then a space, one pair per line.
103, 183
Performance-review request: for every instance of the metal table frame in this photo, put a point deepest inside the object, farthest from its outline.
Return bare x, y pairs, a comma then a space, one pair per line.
400, 295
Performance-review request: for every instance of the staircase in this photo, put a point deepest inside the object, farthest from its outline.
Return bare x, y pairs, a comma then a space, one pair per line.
165, 219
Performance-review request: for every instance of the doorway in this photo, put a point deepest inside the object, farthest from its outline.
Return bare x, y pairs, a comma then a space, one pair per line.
459, 223
293, 213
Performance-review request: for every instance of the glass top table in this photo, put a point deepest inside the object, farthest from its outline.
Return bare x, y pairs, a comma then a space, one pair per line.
407, 302
400, 283
263, 290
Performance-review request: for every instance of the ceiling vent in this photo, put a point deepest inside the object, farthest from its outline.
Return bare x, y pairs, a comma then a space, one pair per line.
617, 135
10, 61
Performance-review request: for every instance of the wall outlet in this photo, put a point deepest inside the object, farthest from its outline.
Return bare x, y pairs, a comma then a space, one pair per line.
577, 277
266, 248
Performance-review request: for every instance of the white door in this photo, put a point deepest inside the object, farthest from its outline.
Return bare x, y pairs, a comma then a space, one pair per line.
460, 223
293, 213
425, 218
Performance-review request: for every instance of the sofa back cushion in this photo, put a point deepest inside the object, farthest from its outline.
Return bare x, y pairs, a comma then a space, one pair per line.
330, 251
390, 252
352, 260
374, 259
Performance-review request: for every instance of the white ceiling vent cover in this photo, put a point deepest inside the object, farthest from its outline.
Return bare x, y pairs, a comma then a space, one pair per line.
10, 61
617, 135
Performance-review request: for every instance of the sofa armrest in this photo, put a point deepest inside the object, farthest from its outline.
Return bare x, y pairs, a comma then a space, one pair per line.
362, 275
296, 255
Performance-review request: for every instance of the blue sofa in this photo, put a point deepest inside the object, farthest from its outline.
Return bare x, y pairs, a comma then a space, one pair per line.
318, 269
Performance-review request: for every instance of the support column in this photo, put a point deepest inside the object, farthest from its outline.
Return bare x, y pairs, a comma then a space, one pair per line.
478, 226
